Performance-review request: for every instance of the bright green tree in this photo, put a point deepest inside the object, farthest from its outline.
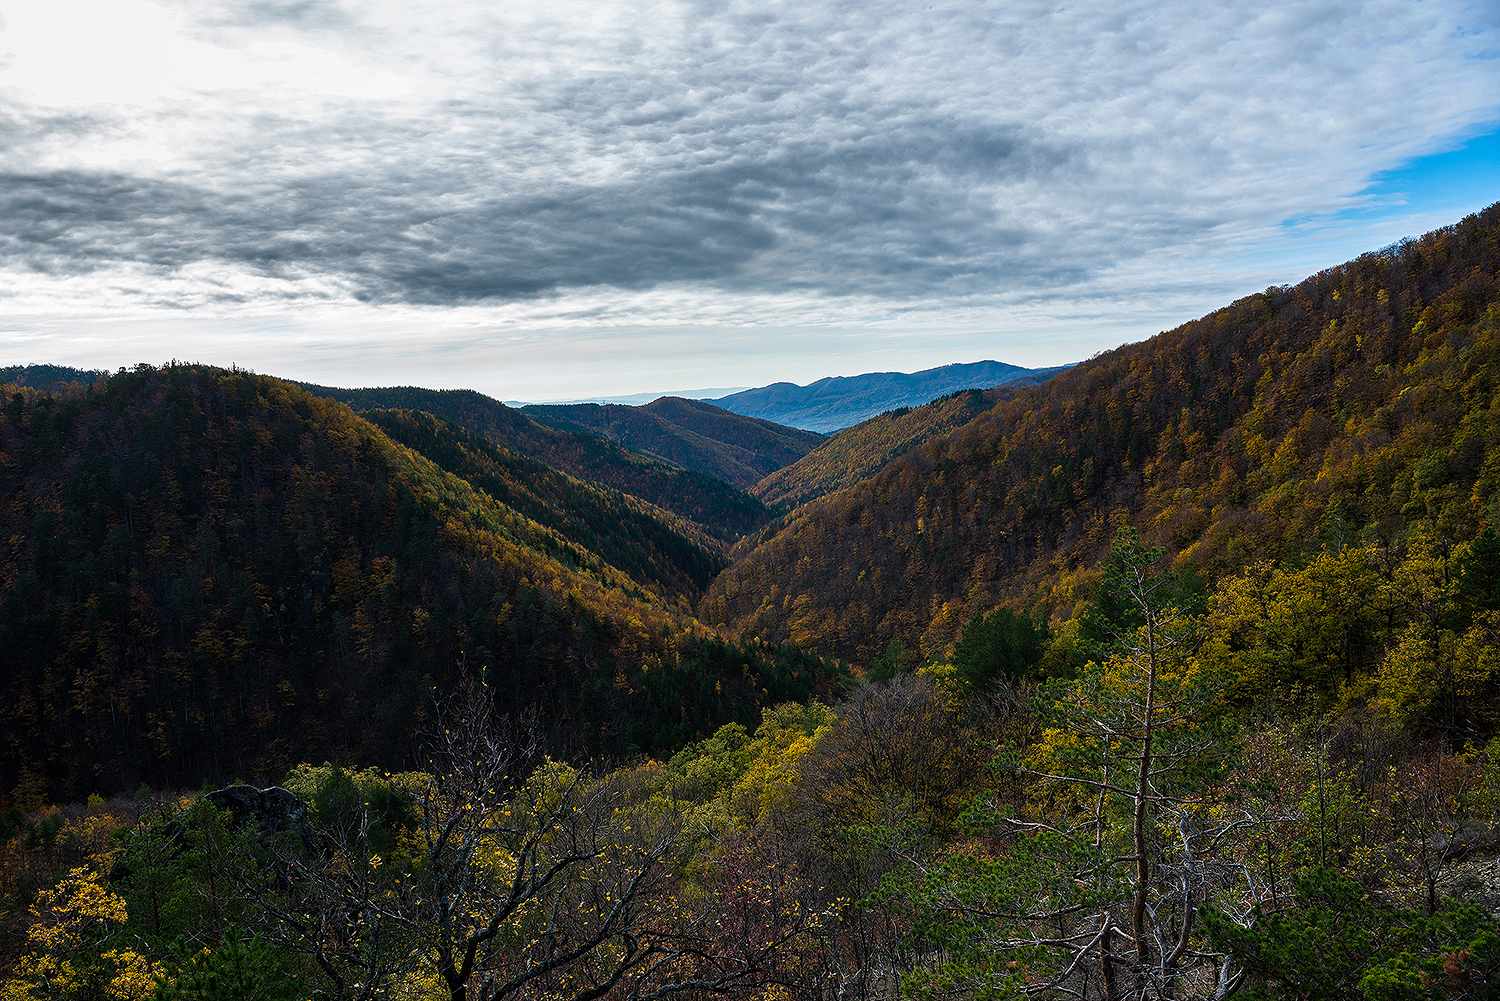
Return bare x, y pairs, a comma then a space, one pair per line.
1001, 645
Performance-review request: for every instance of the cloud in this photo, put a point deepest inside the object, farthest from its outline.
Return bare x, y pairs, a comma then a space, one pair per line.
302, 14
894, 155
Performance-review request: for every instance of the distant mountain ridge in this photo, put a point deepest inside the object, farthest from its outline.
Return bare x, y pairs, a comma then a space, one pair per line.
693, 434
632, 399
835, 403
723, 510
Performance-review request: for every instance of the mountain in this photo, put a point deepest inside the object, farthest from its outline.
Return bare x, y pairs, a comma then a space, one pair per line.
1356, 404
689, 433
659, 550
217, 574
856, 453
718, 508
48, 376
633, 399
829, 405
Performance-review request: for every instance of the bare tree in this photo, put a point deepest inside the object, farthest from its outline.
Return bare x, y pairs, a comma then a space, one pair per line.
524, 875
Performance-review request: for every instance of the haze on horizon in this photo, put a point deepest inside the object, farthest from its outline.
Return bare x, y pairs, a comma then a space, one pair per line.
552, 200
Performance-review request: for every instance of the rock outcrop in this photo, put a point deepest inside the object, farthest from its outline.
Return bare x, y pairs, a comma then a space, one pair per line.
274, 810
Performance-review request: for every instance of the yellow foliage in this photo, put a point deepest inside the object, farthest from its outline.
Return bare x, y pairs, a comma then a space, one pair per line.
1289, 630
65, 918
946, 677
785, 736
1408, 676
68, 913
548, 786
421, 984
135, 976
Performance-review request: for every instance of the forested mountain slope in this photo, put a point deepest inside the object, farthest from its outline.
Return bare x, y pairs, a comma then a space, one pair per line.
216, 574
856, 453
832, 404
48, 376
1359, 401
721, 509
656, 548
689, 433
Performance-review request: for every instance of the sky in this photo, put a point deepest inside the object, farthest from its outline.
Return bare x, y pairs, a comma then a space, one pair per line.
551, 200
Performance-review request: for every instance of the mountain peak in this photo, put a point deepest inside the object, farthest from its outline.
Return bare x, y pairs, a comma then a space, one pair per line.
839, 401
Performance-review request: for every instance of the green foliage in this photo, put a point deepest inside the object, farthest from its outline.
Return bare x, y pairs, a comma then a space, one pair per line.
1478, 586
717, 762
368, 804
738, 780
1338, 942
1112, 616
234, 970
1120, 828
891, 662
186, 877
1001, 645
970, 905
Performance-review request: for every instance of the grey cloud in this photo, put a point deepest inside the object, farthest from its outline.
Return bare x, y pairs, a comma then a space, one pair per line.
870, 150
304, 14
861, 213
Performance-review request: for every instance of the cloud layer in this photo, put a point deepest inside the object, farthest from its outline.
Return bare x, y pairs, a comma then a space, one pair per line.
663, 162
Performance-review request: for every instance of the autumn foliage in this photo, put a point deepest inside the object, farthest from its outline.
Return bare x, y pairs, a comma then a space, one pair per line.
1360, 399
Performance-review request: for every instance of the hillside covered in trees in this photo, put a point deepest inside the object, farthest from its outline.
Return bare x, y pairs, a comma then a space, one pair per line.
689, 433
212, 574
859, 452
48, 376
718, 507
659, 550
1349, 406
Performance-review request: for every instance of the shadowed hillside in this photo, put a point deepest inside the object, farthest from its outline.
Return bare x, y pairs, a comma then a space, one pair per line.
212, 573
1359, 401
719, 508
689, 433
656, 548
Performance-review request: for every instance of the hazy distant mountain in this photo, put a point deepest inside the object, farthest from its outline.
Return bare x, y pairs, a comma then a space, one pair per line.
830, 405
632, 399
